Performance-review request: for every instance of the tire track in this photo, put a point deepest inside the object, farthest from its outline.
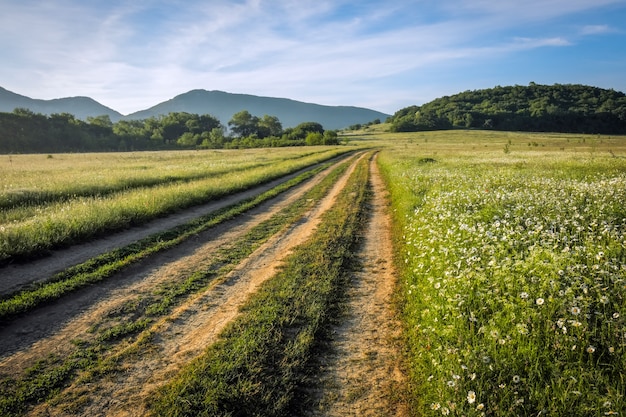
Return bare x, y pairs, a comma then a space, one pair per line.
362, 374
189, 329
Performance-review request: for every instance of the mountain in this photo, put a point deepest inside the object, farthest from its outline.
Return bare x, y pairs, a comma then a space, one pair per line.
290, 112
216, 103
570, 108
80, 107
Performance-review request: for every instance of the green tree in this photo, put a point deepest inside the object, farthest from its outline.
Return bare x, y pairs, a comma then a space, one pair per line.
301, 131
331, 137
214, 139
314, 138
243, 124
269, 126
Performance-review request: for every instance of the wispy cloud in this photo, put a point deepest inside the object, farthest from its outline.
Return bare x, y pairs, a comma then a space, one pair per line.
596, 29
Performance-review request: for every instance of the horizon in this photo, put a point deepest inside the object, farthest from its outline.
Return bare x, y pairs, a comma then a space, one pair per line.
377, 55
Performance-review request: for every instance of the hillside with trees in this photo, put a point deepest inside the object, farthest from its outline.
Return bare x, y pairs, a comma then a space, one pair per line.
23, 131
564, 108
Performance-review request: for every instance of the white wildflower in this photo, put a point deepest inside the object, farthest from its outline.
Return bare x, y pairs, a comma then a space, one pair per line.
471, 397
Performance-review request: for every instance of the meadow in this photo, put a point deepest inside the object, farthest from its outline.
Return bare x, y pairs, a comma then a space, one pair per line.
513, 258
510, 249
56, 200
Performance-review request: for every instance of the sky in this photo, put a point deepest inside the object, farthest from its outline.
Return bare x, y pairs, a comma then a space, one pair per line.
380, 54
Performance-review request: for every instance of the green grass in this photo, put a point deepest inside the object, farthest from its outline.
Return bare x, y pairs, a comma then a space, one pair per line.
32, 180
103, 266
127, 330
259, 361
31, 231
514, 286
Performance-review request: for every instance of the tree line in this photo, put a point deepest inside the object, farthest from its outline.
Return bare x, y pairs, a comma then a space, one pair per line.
24, 131
564, 108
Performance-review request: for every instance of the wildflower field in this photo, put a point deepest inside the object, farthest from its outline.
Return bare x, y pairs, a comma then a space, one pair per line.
513, 250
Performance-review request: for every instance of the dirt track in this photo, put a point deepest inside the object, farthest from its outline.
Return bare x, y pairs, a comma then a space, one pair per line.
196, 323
362, 375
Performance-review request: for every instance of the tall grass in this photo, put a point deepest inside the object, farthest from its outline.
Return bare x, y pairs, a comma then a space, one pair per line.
57, 224
31, 180
514, 282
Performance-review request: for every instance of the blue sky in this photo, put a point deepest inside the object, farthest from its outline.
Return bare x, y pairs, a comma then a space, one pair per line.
385, 55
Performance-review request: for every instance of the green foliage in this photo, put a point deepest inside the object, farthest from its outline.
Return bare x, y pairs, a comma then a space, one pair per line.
26, 132
314, 138
557, 108
243, 124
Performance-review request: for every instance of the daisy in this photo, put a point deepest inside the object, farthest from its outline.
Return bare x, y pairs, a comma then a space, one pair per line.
471, 397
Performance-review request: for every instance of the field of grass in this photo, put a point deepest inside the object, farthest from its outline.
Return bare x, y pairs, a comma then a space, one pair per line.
48, 202
513, 253
107, 264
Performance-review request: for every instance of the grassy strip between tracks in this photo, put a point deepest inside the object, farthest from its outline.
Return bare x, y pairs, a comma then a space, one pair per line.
102, 354
105, 265
259, 361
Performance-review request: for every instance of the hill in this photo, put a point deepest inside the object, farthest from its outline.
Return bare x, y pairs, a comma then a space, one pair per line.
80, 107
569, 108
219, 104
290, 112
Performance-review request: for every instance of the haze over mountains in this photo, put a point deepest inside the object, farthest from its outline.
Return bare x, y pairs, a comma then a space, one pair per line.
216, 103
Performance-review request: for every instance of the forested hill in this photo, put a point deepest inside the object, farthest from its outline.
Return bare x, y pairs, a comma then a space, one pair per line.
536, 108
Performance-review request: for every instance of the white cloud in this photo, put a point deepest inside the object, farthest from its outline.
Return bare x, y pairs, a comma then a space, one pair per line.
596, 29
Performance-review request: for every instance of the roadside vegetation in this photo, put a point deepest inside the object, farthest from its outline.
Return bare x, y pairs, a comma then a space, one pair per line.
514, 281
128, 331
105, 265
102, 199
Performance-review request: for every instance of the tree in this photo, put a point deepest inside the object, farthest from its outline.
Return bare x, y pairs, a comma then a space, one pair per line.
301, 131
269, 126
173, 125
214, 139
314, 138
243, 124
188, 139
331, 138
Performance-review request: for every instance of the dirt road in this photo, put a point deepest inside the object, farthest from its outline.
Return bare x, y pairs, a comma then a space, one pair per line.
362, 373
365, 342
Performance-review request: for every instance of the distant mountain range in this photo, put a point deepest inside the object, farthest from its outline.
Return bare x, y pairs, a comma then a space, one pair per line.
216, 103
